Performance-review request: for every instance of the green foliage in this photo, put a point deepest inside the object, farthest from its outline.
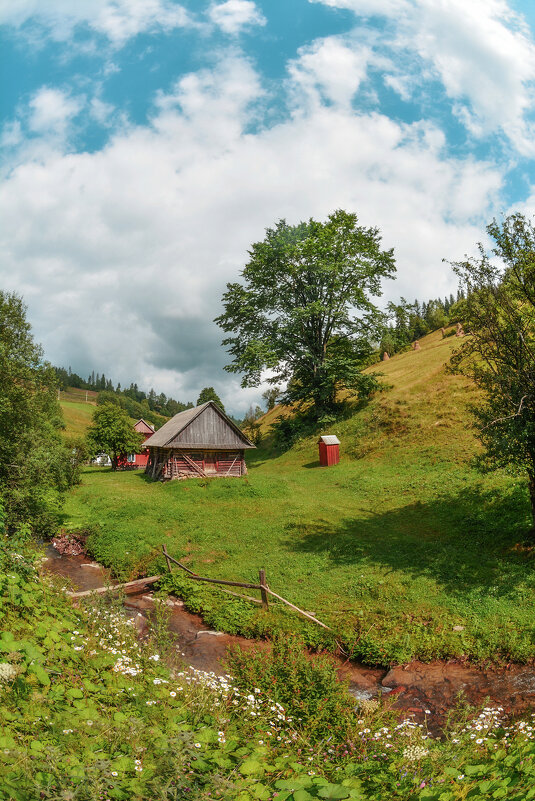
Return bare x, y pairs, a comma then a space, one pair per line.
209, 394
499, 355
411, 321
270, 395
135, 410
35, 465
251, 428
111, 432
151, 407
304, 310
87, 712
308, 688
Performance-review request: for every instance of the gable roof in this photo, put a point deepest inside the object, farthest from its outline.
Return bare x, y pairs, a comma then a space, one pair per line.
143, 427
329, 439
177, 424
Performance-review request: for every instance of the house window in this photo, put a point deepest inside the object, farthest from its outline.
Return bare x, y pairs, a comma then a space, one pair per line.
131, 458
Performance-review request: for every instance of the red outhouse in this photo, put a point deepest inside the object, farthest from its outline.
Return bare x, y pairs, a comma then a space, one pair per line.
329, 450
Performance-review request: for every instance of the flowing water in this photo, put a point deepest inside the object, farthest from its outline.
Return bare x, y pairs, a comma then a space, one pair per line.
423, 690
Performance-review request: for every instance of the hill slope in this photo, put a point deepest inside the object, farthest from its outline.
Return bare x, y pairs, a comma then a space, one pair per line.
403, 547
77, 411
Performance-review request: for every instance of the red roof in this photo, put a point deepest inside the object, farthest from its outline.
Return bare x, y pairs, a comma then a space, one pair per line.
143, 427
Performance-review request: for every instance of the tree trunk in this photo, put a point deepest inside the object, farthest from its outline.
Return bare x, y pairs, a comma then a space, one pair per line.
114, 462
531, 483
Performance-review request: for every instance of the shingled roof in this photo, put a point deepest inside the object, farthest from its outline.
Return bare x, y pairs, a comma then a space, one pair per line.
167, 435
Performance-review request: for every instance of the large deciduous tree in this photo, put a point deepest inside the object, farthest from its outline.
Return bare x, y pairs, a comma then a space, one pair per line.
112, 432
499, 353
36, 465
304, 310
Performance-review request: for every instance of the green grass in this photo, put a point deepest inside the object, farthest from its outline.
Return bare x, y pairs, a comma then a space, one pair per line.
77, 416
89, 713
393, 547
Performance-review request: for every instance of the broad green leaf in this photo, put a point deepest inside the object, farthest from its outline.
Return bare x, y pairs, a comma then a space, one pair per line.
251, 767
302, 795
39, 671
334, 791
36, 745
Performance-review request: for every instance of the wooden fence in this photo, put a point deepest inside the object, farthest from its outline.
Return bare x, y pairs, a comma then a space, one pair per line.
262, 586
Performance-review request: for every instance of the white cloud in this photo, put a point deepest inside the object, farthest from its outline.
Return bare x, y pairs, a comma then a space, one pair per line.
123, 254
118, 20
52, 110
330, 69
481, 51
233, 16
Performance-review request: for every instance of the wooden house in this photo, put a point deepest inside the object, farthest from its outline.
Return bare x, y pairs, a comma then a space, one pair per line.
198, 442
137, 459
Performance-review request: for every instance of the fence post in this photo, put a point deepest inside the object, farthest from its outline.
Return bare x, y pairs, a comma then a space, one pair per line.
164, 549
263, 593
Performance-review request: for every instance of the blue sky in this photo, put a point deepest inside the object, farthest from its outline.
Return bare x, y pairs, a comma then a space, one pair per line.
148, 143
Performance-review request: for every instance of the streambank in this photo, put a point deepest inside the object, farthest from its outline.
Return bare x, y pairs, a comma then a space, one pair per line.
421, 690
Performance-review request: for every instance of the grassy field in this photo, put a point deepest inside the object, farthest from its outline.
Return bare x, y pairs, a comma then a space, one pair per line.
77, 416
403, 548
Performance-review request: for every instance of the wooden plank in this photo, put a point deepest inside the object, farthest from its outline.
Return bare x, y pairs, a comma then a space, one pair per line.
263, 588
296, 608
101, 590
193, 464
211, 431
232, 465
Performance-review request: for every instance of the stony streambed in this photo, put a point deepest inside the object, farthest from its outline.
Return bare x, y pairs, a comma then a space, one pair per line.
422, 690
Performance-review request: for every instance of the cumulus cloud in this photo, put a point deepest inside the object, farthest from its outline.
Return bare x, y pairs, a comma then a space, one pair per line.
123, 254
233, 16
481, 51
118, 20
330, 70
51, 110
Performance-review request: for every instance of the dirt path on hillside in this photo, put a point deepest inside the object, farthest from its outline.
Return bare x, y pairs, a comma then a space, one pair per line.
414, 688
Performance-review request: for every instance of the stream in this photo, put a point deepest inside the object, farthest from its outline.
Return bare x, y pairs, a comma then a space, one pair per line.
421, 690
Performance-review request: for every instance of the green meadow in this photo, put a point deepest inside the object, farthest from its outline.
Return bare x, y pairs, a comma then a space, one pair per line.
403, 548
77, 416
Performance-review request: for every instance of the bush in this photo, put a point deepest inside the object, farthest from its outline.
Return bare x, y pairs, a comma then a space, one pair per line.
307, 688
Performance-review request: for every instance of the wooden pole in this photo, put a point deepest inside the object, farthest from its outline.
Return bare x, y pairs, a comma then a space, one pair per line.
263, 588
178, 563
213, 580
101, 590
231, 466
229, 583
296, 608
239, 595
164, 549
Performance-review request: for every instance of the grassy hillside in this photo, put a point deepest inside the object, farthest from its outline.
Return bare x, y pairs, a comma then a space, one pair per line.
78, 406
403, 547
77, 416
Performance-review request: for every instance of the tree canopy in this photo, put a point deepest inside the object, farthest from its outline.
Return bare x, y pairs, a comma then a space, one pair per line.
304, 310
112, 432
36, 465
499, 354
209, 394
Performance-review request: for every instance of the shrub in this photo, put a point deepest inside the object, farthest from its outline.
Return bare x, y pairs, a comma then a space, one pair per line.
307, 688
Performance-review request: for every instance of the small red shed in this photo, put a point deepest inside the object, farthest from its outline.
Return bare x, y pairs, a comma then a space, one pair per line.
329, 450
